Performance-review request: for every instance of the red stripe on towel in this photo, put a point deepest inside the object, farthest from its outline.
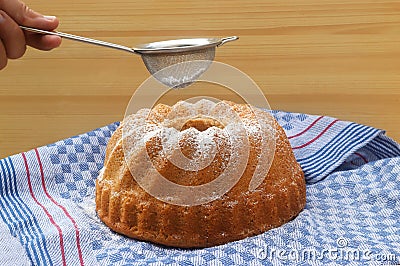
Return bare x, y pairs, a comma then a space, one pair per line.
45, 210
317, 137
308, 128
78, 245
362, 157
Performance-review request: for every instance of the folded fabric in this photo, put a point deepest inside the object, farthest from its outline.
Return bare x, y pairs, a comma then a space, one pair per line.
351, 216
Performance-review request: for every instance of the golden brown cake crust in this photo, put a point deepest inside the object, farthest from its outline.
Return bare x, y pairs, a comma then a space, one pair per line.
126, 208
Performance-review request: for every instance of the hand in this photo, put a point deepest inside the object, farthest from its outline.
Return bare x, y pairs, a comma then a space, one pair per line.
13, 39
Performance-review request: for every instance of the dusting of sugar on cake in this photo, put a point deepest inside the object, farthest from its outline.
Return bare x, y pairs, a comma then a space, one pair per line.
159, 134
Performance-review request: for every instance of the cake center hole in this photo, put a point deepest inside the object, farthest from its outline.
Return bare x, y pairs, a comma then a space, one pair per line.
202, 123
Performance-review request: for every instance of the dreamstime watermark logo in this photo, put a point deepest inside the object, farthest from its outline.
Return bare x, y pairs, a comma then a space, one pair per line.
341, 252
141, 127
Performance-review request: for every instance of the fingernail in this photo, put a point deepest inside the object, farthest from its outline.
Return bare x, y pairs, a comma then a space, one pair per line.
50, 18
1, 18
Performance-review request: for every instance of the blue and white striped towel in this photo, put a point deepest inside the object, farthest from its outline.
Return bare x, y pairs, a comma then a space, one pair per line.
352, 215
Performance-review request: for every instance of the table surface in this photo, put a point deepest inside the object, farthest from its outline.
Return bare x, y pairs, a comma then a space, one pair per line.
329, 57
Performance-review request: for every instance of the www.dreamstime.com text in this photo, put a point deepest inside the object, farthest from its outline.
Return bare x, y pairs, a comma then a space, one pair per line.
340, 253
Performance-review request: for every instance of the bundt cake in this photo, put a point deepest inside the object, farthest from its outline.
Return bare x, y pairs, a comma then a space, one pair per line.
198, 175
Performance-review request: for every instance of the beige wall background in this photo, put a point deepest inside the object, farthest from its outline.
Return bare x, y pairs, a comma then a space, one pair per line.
336, 58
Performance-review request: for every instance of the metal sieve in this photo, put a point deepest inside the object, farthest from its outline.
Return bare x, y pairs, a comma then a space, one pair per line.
184, 60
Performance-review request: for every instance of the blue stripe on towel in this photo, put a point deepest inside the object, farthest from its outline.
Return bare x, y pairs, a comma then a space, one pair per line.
20, 219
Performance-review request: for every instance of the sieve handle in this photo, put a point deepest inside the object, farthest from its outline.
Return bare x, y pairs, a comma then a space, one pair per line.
228, 39
80, 39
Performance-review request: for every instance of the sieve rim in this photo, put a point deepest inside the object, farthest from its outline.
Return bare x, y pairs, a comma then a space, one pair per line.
178, 45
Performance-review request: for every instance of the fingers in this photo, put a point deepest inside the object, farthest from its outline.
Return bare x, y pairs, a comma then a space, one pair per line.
3, 56
25, 16
13, 40
42, 42
12, 37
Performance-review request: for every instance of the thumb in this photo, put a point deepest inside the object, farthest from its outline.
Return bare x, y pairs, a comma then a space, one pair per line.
25, 16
